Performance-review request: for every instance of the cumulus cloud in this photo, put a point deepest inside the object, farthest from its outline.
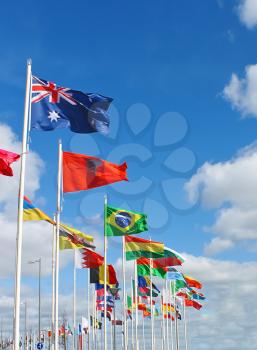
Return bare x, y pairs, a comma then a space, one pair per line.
247, 11
217, 245
230, 187
227, 312
242, 93
37, 235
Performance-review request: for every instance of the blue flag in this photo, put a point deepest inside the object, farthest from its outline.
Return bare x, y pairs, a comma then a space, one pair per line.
54, 107
173, 274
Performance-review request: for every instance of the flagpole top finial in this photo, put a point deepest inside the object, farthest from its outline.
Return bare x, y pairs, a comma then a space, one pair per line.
29, 61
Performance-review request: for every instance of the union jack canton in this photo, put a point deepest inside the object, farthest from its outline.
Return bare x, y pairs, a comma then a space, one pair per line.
55, 107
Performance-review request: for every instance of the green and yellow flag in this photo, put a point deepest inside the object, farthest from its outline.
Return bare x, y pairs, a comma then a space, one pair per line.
120, 222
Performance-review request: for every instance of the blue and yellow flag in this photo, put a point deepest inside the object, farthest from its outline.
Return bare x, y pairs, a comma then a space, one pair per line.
30, 212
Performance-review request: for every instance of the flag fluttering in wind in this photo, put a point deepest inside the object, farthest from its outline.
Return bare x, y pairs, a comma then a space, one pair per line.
144, 268
81, 172
97, 275
55, 107
87, 258
193, 303
136, 247
192, 282
170, 258
70, 238
121, 222
145, 281
6, 159
31, 213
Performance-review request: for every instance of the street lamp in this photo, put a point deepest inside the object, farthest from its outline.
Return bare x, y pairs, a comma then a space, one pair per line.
39, 294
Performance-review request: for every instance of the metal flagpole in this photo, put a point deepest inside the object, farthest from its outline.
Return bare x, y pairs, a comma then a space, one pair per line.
163, 322
136, 304
93, 321
58, 213
151, 302
185, 323
143, 322
74, 301
88, 308
17, 294
53, 281
176, 319
125, 339
171, 324
167, 314
132, 315
105, 275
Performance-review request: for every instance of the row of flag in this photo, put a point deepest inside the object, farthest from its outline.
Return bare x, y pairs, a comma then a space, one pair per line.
54, 107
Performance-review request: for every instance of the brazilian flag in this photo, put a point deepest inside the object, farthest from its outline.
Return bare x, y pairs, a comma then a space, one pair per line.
120, 222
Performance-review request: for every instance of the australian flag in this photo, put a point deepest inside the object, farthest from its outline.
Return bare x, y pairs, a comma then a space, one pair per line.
54, 107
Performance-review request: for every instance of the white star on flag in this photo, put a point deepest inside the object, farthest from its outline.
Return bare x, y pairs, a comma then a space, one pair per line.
53, 116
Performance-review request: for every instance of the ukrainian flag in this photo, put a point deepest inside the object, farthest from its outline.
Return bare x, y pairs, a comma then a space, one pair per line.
30, 212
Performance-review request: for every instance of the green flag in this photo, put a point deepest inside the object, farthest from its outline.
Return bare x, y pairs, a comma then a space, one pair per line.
129, 302
120, 222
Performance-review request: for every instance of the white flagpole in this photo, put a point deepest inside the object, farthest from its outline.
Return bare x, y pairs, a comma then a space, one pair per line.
105, 275
93, 320
17, 301
53, 281
125, 339
58, 213
151, 301
163, 322
136, 303
143, 321
185, 323
167, 314
74, 300
171, 324
176, 319
132, 314
88, 307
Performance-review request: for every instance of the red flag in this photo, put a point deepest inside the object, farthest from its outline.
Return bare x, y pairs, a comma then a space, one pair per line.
193, 303
6, 159
81, 172
91, 259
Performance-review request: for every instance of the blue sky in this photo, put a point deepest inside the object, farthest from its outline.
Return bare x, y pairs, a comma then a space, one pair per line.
172, 57
153, 58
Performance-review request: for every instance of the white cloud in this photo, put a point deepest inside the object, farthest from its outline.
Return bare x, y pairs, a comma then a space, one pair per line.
247, 11
242, 93
230, 187
217, 245
37, 236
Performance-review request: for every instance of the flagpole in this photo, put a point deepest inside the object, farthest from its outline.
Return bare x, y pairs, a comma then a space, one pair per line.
132, 314
136, 302
105, 275
176, 319
171, 324
17, 301
143, 321
151, 301
125, 340
93, 319
58, 213
88, 307
53, 280
74, 301
163, 322
185, 323
167, 314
